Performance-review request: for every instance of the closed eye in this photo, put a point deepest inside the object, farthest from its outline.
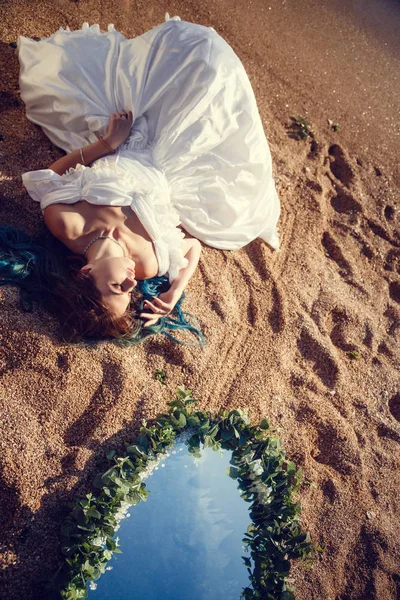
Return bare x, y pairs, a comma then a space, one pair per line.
119, 287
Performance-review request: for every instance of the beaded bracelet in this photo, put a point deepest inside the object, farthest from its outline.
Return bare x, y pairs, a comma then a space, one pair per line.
106, 144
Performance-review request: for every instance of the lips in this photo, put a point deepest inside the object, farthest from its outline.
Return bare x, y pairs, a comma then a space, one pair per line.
132, 272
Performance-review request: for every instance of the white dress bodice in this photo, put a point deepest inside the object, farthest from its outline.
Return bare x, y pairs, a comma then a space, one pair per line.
130, 179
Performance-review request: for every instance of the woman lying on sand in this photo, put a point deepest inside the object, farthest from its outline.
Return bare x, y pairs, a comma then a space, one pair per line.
188, 148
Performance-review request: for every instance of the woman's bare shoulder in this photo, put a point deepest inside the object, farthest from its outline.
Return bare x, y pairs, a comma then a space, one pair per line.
61, 219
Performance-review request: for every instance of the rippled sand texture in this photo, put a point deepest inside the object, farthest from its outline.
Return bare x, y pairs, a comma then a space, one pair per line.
281, 327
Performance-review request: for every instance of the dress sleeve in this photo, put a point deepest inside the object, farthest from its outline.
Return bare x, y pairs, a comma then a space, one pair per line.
48, 187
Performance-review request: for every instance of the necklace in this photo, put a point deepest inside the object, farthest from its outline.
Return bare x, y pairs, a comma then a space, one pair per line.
103, 237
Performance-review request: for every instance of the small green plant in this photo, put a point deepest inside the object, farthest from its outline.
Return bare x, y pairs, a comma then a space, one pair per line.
311, 484
299, 129
161, 376
334, 126
353, 354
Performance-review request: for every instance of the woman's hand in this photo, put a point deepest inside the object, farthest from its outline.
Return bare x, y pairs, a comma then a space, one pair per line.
119, 128
161, 306
165, 302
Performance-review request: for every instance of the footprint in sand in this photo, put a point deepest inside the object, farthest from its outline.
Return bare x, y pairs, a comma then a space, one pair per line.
388, 213
379, 231
173, 354
363, 563
63, 361
394, 291
347, 331
394, 406
330, 490
368, 336
325, 365
334, 252
335, 449
314, 186
384, 349
335, 443
338, 334
340, 165
393, 318
345, 203
392, 261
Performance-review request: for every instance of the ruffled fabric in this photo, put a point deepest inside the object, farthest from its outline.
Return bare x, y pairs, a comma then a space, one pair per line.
168, 18
47, 187
90, 30
109, 184
104, 183
86, 28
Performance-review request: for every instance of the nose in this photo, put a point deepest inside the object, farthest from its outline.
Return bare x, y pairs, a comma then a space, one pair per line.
129, 283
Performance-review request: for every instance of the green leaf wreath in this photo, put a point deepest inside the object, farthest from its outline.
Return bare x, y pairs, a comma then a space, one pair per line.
265, 478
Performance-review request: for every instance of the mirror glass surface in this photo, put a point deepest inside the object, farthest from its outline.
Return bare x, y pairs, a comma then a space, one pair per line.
185, 541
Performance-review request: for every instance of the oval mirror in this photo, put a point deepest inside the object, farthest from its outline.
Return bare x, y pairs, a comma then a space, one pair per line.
185, 542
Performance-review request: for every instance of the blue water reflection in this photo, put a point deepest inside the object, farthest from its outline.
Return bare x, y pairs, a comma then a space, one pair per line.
185, 542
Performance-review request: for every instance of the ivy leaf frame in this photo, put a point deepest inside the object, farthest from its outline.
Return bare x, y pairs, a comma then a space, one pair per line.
267, 481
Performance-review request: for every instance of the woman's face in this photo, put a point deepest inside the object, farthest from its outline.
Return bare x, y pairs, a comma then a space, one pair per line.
115, 279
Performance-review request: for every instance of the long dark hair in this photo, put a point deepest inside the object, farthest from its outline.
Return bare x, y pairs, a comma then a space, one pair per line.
47, 273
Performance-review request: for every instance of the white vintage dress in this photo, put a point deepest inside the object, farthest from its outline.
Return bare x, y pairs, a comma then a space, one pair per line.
197, 154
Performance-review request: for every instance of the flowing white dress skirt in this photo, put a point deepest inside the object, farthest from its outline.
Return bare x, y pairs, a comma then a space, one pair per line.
193, 107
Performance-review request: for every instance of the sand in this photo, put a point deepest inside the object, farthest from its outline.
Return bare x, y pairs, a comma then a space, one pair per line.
279, 325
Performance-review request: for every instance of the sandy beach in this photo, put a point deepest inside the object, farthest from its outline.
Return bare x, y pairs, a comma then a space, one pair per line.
307, 336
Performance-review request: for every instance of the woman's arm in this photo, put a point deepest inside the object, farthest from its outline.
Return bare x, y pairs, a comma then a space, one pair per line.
165, 302
90, 154
118, 130
192, 251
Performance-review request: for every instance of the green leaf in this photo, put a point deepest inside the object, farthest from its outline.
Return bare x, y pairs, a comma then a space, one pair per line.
246, 561
193, 421
177, 403
161, 376
134, 450
181, 420
227, 434
98, 481
92, 512
232, 472
291, 468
